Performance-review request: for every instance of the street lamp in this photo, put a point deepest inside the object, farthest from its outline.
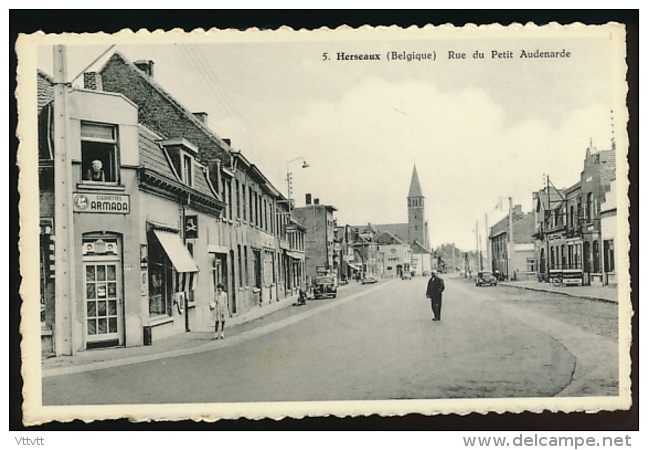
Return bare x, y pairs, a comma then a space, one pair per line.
289, 175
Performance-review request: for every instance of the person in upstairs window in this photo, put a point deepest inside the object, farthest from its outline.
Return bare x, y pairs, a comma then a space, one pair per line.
96, 173
434, 292
220, 310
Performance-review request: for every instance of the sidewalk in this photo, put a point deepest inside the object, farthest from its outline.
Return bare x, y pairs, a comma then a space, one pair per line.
599, 293
171, 345
195, 341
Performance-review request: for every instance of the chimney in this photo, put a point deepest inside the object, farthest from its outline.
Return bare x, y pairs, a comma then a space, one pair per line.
308, 199
517, 210
145, 66
92, 81
316, 201
202, 116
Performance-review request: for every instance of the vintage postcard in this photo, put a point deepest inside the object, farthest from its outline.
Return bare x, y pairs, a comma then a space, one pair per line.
221, 224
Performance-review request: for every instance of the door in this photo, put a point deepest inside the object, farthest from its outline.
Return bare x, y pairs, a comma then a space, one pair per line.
104, 321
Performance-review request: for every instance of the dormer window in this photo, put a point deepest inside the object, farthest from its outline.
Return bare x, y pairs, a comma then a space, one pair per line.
187, 169
181, 154
99, 155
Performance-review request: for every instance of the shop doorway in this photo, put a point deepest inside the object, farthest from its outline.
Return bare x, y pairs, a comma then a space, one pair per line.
103, 293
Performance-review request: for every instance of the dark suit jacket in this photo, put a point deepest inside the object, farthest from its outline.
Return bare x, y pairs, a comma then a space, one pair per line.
435, 287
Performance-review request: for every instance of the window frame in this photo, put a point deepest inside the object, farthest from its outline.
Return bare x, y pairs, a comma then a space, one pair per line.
114, 153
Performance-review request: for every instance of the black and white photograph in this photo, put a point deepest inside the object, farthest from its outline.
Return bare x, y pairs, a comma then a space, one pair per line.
303, 223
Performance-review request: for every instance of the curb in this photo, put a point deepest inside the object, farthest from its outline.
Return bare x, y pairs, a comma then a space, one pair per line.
200, 348
569, 294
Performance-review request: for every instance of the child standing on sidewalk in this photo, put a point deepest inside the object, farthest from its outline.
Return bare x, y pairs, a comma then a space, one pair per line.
220, 310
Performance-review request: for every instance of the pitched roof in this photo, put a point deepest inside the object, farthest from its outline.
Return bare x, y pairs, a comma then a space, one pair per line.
152, 157
45, 90
400, 230
555, 196
415, 186
523, 228
417, 248
117, 60
387, 238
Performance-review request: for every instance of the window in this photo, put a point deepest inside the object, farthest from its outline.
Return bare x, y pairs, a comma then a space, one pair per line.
256, 255
572, 216
608, 249
243, 202
160, 272
187, 169
240, 265
553, 258
590, 207
99, 161
245, 259
237, 195
595, 256
227, 186
531, 264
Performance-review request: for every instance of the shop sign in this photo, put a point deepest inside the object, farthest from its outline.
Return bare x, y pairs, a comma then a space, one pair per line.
191, 227
101, 203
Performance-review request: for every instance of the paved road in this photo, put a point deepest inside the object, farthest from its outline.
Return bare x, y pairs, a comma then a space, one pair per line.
378, 342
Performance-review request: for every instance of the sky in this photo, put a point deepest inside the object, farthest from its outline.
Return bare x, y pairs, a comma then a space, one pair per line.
478, 130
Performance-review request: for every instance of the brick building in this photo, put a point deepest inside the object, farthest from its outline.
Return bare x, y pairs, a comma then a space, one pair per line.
514, 260
322, 253
568, 226
163, 210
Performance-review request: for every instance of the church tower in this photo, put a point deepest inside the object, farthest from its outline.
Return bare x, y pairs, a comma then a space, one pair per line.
417, 225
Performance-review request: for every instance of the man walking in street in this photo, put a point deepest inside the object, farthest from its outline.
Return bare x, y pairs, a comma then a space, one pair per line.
435, 287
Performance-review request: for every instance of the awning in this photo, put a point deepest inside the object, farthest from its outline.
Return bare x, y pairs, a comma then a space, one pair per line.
295, 255
176, 251
354, 266
213, 248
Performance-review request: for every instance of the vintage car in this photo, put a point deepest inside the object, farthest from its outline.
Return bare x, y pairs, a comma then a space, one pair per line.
368, 279
406, 276
485, 278
325, 286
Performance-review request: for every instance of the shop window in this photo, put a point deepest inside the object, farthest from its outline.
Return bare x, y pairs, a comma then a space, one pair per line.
99, 153
160, 280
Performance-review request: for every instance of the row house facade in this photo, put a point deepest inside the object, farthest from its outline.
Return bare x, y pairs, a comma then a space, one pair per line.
366, 256
163, 210
568, 228
514, 259
397, 255
322, 248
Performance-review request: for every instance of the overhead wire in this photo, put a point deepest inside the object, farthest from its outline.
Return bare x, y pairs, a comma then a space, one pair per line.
256, 143
204, 70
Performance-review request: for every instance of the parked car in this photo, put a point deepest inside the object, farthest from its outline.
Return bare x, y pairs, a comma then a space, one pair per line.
406, 276
368, 279
325, 286
485, 278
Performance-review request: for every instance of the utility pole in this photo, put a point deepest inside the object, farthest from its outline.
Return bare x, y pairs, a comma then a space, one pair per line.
510, 238
454, 263
65, 295
478, 257
548, 259
489, 264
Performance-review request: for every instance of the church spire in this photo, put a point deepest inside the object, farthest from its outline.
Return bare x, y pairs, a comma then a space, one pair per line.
415, 187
